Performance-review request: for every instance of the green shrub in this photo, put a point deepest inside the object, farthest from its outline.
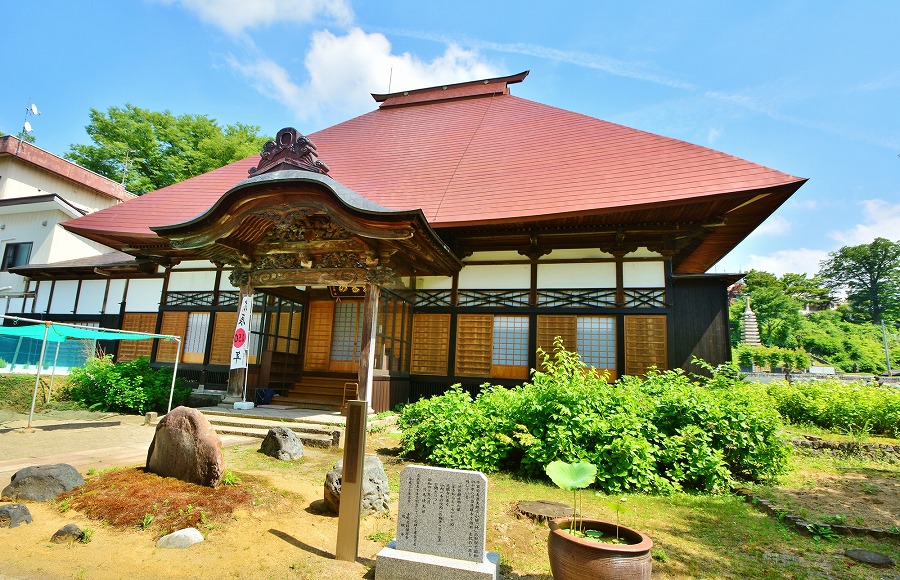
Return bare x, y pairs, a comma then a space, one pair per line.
130, 387
664, 432
838, 406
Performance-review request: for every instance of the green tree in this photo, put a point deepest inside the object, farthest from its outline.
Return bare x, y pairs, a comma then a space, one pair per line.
148, 150
870, 274
777, 312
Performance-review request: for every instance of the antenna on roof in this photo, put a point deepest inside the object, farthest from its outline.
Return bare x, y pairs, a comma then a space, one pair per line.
390, 78
26, 126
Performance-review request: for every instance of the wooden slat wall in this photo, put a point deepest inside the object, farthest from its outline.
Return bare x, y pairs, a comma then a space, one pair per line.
318, 335
174, 323
645, 343
136, 322
549, 326
223, 338
430, 344
474, 344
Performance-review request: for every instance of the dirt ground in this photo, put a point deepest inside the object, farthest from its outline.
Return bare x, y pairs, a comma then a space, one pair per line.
867, 498
292, 538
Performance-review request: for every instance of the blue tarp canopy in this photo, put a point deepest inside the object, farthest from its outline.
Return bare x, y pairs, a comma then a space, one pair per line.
60, 332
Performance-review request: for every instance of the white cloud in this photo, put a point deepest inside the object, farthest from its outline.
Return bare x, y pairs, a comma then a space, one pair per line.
235, 16
713, 135
343, 70
799, 261
882, 219
774, 226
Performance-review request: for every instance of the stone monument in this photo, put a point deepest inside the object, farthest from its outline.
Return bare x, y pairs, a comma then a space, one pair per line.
441, 522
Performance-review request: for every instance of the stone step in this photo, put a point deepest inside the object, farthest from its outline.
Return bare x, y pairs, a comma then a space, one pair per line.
308, 439
314, 435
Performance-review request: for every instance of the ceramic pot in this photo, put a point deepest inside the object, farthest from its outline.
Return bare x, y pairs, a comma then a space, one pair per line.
574, 558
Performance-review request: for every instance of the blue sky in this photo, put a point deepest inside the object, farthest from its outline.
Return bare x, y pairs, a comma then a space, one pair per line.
809, 88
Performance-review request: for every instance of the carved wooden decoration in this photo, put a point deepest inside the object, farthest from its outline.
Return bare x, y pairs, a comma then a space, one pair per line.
289, 150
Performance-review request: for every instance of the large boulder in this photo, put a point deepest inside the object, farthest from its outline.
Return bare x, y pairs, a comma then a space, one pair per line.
375, 489
43, 482
282, 443
185, 446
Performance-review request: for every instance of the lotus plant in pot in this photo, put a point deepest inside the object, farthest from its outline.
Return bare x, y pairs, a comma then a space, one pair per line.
582, 548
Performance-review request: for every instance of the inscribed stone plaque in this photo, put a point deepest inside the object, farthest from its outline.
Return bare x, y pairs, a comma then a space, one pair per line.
442, 512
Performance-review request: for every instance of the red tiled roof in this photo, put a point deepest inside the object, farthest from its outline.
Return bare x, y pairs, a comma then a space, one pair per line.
64, 168
481, 156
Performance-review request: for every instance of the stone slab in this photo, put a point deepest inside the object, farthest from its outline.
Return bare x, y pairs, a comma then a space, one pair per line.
394, 564
243, 405
442, 512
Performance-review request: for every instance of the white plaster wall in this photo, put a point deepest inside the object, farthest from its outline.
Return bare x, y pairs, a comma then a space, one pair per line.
225, 283
643, 275
584, 275
504, 256
18, 179
90, 301
576, 254
144, 295
115, 296
643, 253
499, 277
191, 281
194, 265
64, 245
434, 283
42, 296
63, 301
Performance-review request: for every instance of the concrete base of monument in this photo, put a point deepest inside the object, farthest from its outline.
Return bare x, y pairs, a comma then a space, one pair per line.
243, 405
393, 564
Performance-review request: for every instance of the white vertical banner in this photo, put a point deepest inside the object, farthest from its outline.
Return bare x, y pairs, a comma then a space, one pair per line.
240, 348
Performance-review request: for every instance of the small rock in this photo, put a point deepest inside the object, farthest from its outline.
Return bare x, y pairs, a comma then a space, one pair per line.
282, 443
13, 514
43, 482
181, 539
67, 534
870, 557
375, 488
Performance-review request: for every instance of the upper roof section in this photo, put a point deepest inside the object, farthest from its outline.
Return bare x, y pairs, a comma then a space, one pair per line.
472, 155
495, 86
36, 156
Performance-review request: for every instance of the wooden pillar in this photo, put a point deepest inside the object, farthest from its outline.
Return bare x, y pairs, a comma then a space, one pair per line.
237, 378
355, 442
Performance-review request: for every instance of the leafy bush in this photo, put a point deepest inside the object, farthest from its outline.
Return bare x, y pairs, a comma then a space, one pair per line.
131, 387
772, 357
846, 407
660, 433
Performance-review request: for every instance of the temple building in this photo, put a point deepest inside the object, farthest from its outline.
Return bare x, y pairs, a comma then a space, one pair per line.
486, 224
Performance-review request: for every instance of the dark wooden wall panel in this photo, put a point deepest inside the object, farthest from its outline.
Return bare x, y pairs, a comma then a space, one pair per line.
700, 323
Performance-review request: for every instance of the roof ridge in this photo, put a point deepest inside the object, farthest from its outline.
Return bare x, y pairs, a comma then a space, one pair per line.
437, 93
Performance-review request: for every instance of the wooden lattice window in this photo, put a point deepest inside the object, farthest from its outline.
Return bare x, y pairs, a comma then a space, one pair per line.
173, 323
195, 336
347, 331
474, 344
549, 326
645, 343
510, 347
223, 338
136, 322
492, 346
430, 344
593, 337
